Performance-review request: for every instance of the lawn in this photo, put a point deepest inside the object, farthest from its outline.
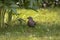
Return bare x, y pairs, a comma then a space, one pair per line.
47, 25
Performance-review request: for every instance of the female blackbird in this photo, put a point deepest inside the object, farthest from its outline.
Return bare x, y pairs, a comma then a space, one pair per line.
31, 22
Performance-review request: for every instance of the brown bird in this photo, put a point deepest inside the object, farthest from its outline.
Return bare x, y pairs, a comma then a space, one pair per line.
31, 22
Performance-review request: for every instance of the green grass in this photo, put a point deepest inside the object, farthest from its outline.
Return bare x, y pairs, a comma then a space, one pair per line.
16, 36
47, 27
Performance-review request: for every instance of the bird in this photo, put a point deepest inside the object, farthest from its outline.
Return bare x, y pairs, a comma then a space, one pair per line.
31, 22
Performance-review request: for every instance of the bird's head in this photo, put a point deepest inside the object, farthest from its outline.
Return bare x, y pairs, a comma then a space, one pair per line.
29, 18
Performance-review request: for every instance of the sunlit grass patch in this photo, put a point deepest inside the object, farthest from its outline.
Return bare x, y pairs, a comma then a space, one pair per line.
41, 16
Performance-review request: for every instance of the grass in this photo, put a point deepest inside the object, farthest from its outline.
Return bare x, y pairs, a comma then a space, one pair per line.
47, 27
16, 36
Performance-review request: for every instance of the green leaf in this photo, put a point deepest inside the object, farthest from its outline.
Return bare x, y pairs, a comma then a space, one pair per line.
1, 4
14, 6
14, 11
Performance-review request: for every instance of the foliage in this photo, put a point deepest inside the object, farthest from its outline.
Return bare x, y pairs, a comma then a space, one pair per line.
7, 6
34, 4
